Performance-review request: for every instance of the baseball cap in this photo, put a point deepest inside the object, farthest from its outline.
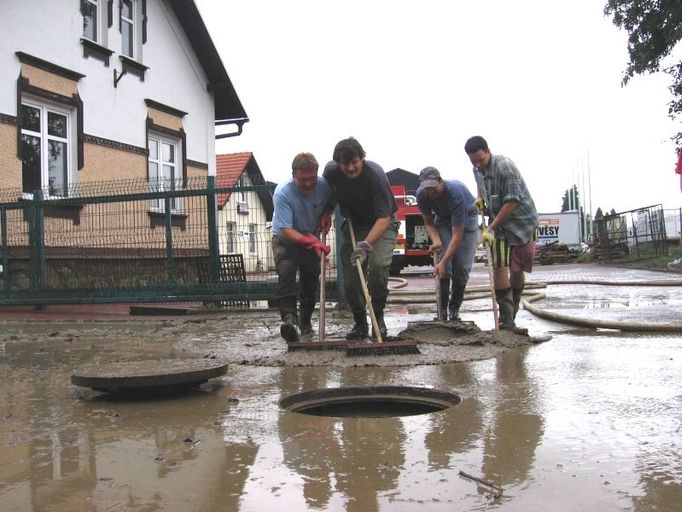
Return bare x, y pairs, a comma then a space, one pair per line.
429, 177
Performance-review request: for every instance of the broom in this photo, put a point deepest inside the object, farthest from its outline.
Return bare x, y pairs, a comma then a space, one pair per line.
379, 348
489, 265
321, 343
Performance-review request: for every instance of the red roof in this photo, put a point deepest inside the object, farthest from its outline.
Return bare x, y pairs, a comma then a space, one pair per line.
229, 169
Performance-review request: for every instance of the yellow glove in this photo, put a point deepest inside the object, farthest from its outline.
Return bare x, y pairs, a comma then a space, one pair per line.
488, 237
479, 203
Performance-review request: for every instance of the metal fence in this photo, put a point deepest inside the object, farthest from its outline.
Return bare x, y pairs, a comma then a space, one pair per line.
631, 235
138, 241
673, 223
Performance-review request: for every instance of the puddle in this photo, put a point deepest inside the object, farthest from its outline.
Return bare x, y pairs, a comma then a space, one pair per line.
586, 421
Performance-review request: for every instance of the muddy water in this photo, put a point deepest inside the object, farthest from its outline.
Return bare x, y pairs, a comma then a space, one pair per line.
585, 421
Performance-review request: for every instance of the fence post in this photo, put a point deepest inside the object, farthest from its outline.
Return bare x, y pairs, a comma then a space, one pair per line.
213, 248
37, 241
170, 268
5, 250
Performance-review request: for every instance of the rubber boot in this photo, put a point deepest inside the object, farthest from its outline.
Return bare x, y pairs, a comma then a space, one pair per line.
444, 285
304, 321
505, 304
456, 300
517, 293
378, 306
287, 310
360, 329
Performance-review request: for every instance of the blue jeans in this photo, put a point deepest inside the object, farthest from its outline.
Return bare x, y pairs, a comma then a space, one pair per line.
460, 264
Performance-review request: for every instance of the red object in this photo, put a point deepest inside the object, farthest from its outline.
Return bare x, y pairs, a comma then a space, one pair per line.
325, 222
314, 244
678, 169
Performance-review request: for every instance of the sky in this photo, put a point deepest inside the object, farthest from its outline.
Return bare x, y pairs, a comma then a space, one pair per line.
412, 81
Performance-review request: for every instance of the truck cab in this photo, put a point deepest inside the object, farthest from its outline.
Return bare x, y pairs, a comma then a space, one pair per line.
412, 245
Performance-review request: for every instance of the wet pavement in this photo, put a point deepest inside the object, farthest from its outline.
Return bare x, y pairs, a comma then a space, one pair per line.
586, 420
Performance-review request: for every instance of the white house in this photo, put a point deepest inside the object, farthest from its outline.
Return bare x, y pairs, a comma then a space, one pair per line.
102, 90
244, 216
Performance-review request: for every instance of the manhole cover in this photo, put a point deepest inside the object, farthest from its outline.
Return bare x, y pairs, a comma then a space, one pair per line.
156, 374
370, 402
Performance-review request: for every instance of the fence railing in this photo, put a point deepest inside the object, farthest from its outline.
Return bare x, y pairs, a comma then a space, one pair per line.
634, 234
132, 241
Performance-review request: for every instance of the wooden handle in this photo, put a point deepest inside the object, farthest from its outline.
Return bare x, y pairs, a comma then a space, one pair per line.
489, 264
323, 298
439, 304
363, 283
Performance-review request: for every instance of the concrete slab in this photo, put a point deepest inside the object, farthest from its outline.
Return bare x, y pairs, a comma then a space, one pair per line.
154, 374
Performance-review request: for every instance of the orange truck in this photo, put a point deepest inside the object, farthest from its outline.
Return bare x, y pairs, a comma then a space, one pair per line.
412, 246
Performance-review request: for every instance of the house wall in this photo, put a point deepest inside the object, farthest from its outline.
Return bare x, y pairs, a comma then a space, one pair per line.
114, 119
254, 261
52, 31
10, 165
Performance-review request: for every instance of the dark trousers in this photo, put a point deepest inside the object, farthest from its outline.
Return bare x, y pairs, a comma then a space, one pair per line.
291, 260
376, 266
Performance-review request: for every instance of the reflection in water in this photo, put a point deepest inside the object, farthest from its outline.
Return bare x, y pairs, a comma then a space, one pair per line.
310, 444
159, 453
355, 457
594, 415
513, 435
459, 429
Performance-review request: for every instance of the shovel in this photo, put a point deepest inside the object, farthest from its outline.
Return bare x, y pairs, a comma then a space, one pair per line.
489, 264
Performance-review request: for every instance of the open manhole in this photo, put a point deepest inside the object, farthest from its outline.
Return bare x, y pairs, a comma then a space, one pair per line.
370, 402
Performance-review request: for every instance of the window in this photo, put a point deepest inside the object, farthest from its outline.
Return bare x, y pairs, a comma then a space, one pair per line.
230, 232
252, 239
89, 10
46, 149
94, 21
241, 195
128, 29
165, 171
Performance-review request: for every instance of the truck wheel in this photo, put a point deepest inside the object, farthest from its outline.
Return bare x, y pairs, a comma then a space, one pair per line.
545, 258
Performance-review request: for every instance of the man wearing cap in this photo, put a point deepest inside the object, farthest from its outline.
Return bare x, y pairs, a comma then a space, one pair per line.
365, 198
303, 207
451, 222
512, 231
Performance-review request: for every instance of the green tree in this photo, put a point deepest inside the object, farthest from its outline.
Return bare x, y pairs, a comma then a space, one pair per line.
654, 27
571, 200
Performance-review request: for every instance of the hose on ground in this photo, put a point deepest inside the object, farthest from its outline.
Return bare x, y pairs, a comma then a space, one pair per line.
595, 323
426, 296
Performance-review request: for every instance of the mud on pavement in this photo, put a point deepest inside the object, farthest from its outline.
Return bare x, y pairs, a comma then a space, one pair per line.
252, 338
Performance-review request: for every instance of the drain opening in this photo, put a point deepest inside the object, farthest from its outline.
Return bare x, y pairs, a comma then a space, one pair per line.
370, 402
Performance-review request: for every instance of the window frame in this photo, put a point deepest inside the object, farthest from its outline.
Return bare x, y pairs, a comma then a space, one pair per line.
134, 23
177, 182
252, 239
230, 237
97, 19
71, 141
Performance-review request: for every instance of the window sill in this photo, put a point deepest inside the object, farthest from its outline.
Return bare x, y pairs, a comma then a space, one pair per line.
133, 67
157, 219
92, 49
28, 196
161, 213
